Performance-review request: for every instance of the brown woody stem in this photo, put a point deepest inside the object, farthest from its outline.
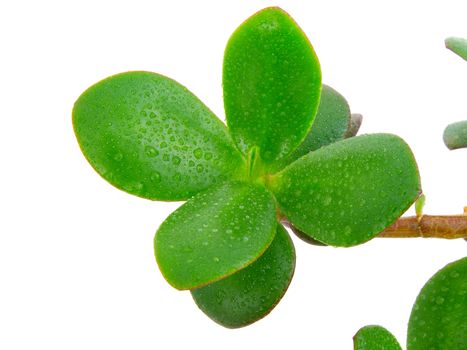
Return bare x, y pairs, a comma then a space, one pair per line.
428, 226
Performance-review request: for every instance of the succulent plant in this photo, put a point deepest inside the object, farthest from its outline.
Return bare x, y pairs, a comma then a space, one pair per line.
287, 154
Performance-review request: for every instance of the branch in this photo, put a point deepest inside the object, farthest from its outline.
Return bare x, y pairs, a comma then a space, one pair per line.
428, 226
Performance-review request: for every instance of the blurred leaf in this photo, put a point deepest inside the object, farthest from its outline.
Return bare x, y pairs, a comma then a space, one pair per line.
439, 315
251, 293
149, 136
346, 193
455, 135
375, 338
458, 46
272, 84
355, 123
330, 125
215, 234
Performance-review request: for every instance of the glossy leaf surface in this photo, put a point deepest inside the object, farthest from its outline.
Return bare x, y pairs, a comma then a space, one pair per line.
375, 338
458, 46
346, 193
331, 124
439, 316
272, 84
455, 135
215, 234
251, 293
149, 136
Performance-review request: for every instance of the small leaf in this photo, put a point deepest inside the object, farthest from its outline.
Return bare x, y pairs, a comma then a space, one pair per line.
215, 234
251, 293
355, 123
375, 338
346, 193
149, 136
455, 135
439, 315
331, 124
458, 46
272, 84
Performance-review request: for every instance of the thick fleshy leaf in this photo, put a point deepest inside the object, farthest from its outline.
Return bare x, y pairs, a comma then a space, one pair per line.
439, 315
251, 293
346, 193
149, 136
215, 234
272, 84
458, 46
375, 338
306, 238
455, 135
331, 124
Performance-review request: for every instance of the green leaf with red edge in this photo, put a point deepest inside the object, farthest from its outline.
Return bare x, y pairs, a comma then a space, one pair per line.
251, 293
272, 84
346, 193
149, 136
439, 315
215, 234
375, 338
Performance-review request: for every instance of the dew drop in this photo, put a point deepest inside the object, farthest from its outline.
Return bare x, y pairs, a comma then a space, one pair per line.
118, 157
198, 153
176, 160
151, 151
199, 168
155, 177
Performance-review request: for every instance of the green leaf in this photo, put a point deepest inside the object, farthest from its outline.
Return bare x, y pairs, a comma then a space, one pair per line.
346, 193
375, 338
215, 234
272, 84
331, 124
439, 315
458, 46
306, 238
455, 135
149, 136
251, 293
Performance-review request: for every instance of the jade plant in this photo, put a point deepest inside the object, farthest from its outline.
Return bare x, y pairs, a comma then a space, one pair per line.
455, 134
288, 155
438, 319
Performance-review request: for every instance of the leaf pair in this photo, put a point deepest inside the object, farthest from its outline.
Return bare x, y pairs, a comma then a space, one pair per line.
455, 134
282, 155
438, 319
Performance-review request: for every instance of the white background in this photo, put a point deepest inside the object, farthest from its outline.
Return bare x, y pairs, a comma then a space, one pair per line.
77, 269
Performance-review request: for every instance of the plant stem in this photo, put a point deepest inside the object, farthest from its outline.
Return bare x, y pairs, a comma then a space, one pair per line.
428, 226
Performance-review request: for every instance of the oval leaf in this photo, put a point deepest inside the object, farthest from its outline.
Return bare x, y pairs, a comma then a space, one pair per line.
215, 234
455, 135
346, 193
331, 124
149, 136
458, 46
439, 316
251, 293
375, 338
272, 83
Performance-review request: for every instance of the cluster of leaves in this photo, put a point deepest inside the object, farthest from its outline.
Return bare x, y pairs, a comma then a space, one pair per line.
455, 134
285, 155
438, 319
